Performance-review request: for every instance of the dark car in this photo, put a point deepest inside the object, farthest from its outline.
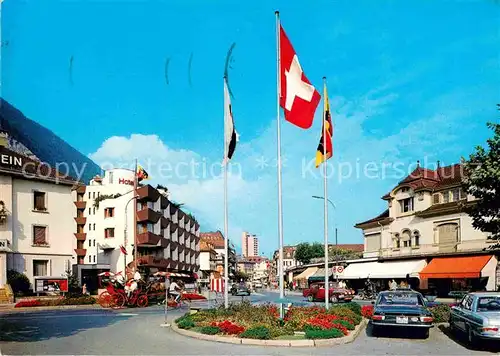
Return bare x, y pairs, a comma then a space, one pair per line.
402, 308
240, 289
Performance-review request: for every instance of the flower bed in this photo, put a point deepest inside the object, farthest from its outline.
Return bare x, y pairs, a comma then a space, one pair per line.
82, 300
262, 321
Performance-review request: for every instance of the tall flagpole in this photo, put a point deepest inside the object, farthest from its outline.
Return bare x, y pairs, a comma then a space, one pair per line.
226, 228
327, 288
278, 123
135, 218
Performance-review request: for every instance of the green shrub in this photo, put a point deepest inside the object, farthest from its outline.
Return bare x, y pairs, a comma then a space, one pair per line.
186, 323
210, 330
355, 307
441, 313
323, 334
345, 312
258, 332
83, 300
347, 324
184, 317
19, 283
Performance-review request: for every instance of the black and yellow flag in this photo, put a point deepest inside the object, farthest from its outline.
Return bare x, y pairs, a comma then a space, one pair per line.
323, 155
141, 174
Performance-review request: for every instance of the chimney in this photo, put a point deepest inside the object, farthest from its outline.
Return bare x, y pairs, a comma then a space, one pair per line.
418, 164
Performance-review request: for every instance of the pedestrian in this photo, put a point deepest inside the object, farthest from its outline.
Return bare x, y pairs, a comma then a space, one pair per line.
394, 285
84, 289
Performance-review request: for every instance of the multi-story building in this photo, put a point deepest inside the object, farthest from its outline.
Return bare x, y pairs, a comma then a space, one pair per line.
245, 266
208, 258
216, 238
425, 224
249, 245
36, 217
289, 261
167, 238
261, 271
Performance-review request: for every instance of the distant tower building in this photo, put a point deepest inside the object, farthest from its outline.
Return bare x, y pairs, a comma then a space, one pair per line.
249, 245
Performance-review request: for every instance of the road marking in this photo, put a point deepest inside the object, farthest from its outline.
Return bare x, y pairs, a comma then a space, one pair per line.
126, 314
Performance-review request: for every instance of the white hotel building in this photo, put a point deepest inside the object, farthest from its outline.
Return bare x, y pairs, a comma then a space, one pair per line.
36, 218
167, 238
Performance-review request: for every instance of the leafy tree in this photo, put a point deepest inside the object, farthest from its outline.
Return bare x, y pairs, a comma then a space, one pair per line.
341, 254
482, 180
305, 252
238, 276
19, 283
73, 285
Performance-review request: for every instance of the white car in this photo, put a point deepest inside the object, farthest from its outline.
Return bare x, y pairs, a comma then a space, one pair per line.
257, 285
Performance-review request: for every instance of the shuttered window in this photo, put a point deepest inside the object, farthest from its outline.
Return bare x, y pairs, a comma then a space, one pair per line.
39, 201
39, 235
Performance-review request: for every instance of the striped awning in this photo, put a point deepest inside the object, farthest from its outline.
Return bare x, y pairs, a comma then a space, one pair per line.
171, 274
306, 273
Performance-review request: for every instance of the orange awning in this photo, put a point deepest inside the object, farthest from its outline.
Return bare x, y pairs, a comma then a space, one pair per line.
455, 267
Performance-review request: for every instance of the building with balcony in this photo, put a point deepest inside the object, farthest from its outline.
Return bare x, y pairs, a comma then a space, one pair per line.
425, 224
36, 216
167, 238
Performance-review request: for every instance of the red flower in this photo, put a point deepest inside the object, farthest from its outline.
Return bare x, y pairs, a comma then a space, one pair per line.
367, 311
229, 328
28, 303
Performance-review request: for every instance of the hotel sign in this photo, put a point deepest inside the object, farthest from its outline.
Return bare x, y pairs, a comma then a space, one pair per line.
125, 181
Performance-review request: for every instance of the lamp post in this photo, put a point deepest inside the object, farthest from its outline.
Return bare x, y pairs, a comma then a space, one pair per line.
336, 240
126, 240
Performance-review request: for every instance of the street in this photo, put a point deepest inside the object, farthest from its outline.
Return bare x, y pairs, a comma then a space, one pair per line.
138, 331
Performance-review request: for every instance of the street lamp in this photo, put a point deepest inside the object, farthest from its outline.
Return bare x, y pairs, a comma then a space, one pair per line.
336, 240
126, 240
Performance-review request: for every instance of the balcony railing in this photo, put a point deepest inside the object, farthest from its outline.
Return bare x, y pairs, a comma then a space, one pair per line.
430, 249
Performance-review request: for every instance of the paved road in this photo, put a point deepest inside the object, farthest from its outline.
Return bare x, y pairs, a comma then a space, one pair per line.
138, 331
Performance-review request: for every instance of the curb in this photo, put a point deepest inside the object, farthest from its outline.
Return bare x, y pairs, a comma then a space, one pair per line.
61, 307
278, 343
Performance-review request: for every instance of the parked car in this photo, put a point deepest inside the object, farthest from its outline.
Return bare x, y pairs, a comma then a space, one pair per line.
240, 289
316, 292
401, 308
478, 316
257, 285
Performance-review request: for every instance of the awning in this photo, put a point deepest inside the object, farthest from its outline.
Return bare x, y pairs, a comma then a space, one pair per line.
319, 275
171, 274
384, 270
455, 267
306, 273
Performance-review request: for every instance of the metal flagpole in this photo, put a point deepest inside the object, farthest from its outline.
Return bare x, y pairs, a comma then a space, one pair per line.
135, 218
226, 241
278, 123
327, 288
336, 252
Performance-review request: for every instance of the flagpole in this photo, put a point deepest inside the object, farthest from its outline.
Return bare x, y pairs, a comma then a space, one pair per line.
325, 192
278, 133
226, 228
135, 217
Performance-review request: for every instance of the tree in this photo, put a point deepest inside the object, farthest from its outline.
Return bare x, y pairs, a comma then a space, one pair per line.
19, 283
305, 252
482, 180
341, 254
238, 276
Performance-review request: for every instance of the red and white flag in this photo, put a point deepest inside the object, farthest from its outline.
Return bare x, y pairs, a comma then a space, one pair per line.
299, 98
123, 250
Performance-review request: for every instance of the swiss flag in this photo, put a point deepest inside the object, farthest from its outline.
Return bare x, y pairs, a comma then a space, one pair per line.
298, 98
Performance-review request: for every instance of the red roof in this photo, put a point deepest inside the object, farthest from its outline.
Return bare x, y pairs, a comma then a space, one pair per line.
214, 237
351, 247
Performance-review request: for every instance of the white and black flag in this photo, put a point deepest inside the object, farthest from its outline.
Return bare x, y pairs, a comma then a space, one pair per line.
230, 134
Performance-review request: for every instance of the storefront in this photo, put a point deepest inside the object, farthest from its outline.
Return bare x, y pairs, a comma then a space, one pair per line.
381, 273
466, 273
302, 278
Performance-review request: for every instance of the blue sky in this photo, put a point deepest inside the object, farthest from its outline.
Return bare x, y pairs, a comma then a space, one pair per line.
408, 81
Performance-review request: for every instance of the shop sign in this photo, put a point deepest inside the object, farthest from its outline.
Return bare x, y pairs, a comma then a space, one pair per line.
10, 160
125, 181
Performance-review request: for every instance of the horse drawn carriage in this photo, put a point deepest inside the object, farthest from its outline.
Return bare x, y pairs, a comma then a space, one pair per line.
133, 293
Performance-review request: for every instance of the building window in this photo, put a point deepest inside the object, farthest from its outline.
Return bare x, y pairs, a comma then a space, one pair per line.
456, 194
446, 197
90, 243
110, 177
436, 199
94, 258
406, 205
406, 238
89, 195
39, 201
416, 236
109, 233
93, 211
40, 268
109, 212
40, 235
94, 242
93, 195
94, 227
405, 190
90, 211
90, 259
396, 243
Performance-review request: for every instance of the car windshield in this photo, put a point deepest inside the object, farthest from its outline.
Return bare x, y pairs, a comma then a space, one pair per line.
491, 303
400, 299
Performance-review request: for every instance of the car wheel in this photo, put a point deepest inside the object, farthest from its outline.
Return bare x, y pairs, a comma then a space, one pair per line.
334, 299
310, 298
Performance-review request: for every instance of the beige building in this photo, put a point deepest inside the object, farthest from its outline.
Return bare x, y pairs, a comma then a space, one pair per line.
36, 218
426, 234
249, 245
